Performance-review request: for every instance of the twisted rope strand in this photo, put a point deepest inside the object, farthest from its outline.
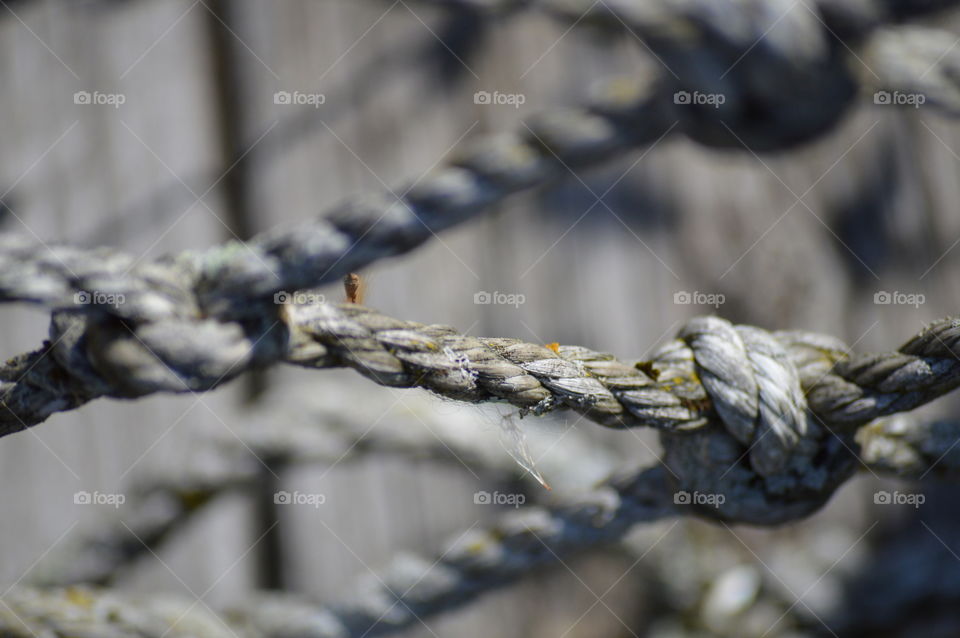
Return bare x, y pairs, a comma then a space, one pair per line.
672, 391
685, 383
911, 448
408, 590
786, 91
164, 498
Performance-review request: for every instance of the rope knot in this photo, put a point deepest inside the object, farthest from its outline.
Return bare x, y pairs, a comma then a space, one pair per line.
764, 453
754, 388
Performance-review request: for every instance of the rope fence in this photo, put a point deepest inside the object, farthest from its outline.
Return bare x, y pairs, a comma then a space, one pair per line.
774, 422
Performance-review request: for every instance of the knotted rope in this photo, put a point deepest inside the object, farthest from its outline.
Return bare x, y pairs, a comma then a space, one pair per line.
721, 394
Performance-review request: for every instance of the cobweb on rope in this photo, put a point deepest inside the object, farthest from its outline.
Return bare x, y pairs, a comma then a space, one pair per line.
512, 438
514, 441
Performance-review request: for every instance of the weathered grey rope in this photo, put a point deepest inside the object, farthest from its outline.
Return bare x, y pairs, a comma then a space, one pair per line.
409, 589
705, 370
208, 316
739, 390
223, 281
770, 60
786, 91
766, 418
413, 588
844, 15
911, 448
163, 499
711, 360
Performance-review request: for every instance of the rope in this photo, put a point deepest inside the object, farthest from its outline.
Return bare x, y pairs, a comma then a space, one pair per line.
412, 589
751, 378
162, 499
409, 589
783, 68
786, 91
764, 419
208, 315
787, 403
910, 448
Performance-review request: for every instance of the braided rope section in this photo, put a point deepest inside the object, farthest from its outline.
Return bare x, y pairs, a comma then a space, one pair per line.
412, 589
764, 418
753, 380
165, 497
909, 448
409, 589
792, 87
96, 356
738, 406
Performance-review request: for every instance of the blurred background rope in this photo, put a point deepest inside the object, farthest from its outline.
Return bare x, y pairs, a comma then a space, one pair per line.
767, 419
410, 588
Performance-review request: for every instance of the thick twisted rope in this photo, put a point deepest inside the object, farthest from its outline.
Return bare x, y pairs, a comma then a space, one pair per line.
164, 498
223, 281
710, 360
207, 316
752, 378
414, 589
739, 408
911, 448
786, 91
411, 588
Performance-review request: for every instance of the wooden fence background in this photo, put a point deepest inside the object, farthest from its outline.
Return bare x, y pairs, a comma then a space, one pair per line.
154, 176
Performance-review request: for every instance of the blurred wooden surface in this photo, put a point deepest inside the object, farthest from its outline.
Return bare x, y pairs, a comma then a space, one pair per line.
879, 216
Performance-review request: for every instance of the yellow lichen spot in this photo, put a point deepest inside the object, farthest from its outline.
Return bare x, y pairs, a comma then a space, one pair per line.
553, 346
79, 596
193, 499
